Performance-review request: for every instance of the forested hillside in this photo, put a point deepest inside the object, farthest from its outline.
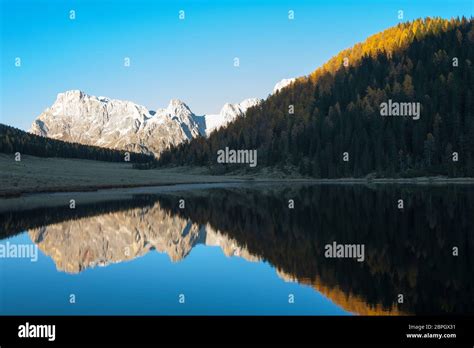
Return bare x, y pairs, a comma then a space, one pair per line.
337, 111
14, 140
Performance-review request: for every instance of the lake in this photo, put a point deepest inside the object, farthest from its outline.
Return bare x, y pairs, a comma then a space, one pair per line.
244, 249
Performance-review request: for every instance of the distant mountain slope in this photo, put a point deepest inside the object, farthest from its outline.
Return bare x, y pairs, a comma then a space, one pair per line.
14, 140
337, 110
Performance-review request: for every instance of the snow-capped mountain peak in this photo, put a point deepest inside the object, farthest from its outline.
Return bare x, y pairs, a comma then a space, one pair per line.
228, 113
282, 84
177, 107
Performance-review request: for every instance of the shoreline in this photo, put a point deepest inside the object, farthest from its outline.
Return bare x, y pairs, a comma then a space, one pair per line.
222, 179
35, 175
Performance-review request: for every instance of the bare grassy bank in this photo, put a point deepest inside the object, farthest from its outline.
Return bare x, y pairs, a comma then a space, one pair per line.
47, 175
35, 175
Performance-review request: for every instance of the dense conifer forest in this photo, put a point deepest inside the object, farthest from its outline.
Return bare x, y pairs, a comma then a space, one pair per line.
336, 109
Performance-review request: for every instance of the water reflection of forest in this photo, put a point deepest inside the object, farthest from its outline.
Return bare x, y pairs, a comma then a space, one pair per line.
407, 251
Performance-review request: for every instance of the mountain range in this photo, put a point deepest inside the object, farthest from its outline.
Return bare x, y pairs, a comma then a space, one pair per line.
117, 124
327, 124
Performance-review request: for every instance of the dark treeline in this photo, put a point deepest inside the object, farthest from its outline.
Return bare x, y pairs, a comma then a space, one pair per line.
337, 110
14, 140
407, 251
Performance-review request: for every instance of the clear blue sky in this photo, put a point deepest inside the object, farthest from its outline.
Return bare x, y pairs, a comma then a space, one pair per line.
192, 59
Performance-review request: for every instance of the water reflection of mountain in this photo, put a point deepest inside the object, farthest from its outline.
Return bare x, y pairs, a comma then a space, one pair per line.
408, 252
120, 236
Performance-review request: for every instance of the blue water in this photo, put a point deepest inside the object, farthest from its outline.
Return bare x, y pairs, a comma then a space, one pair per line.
150, 285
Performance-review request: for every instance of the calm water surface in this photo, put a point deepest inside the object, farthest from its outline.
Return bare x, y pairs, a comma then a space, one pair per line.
241, 250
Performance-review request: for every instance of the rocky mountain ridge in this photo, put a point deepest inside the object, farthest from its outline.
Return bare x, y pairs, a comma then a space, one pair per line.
76, 116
